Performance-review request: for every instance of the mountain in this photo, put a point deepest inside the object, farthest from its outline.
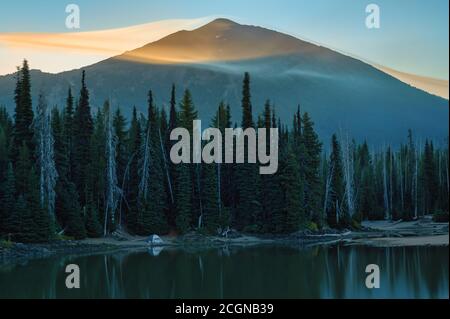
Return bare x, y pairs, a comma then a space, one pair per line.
340, 92
434, 86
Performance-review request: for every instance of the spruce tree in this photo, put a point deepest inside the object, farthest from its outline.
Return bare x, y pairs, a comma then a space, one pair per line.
211, 205
82, 133
23, 117
336, 192
187, 199
184, 198
153, 203
131, 190
7, 203
96, 179
68, 133
293, 194
312, 148
429, 178
248, 208
67, 208
119, 123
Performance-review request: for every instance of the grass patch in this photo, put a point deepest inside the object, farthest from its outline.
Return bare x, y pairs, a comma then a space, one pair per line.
6, 244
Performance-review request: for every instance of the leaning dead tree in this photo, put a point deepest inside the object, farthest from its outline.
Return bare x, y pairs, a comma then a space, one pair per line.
349, 172
144, 165
328, 189
385, 187
113, 191
46, 159
166, 167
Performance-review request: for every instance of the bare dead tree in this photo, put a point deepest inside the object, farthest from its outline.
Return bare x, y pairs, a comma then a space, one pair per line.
46, 158
112, 189
347, 160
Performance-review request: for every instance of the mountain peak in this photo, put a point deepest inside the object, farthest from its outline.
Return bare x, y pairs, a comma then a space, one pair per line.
222, 22
219, 40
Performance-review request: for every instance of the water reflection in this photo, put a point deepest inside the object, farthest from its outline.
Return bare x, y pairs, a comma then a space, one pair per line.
258, 272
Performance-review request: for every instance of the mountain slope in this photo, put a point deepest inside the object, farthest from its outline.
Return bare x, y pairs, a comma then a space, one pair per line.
340, 92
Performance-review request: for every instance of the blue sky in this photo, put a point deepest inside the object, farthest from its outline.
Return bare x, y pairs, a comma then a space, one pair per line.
413, 36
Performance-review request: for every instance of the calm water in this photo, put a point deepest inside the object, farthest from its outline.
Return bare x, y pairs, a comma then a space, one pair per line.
259, 272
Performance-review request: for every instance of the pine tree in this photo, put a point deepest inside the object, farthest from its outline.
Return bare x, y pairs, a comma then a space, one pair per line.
131, 191
152, 197
93, 227
119, 123
313, 150
7, 203
68, 133
23, 117
270, 192
337, 184
211, 205
429, 178
366, 190
67, 208
247, 118
43, 226
3, 153
22, 226
248, 208
96, 179
173, 112
186, 197
22, 169
82, 133
293, 207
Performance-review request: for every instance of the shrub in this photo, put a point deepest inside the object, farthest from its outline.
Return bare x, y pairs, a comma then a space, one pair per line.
440, 217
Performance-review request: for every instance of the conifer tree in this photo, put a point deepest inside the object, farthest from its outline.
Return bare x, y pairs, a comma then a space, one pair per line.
312, 153
23, 117
7, 203
337, 184
68, 132
248, 208
131, 190
186, 199
82, 133
152, 199
96, 179
293, 208
429, 178
210, 200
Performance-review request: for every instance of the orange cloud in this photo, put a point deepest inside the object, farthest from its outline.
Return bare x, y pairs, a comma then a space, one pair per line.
56, 52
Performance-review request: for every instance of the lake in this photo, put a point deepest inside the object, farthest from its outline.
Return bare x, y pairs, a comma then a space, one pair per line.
232, 272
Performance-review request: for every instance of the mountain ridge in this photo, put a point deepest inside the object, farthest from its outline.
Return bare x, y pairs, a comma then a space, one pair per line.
340, 92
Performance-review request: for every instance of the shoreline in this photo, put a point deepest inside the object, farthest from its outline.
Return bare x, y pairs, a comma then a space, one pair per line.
423, 232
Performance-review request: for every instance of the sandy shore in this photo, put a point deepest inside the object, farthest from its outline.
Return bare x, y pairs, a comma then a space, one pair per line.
421, 232
438, 240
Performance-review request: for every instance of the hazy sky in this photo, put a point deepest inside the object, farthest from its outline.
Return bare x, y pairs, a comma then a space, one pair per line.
413, 36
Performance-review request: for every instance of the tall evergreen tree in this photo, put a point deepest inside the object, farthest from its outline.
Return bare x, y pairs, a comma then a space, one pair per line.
248, 207
429, 178
293, 207
131, 190
82, 133
7, 203
68, 132
313, 150
152, 196
23, 117
336, 192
